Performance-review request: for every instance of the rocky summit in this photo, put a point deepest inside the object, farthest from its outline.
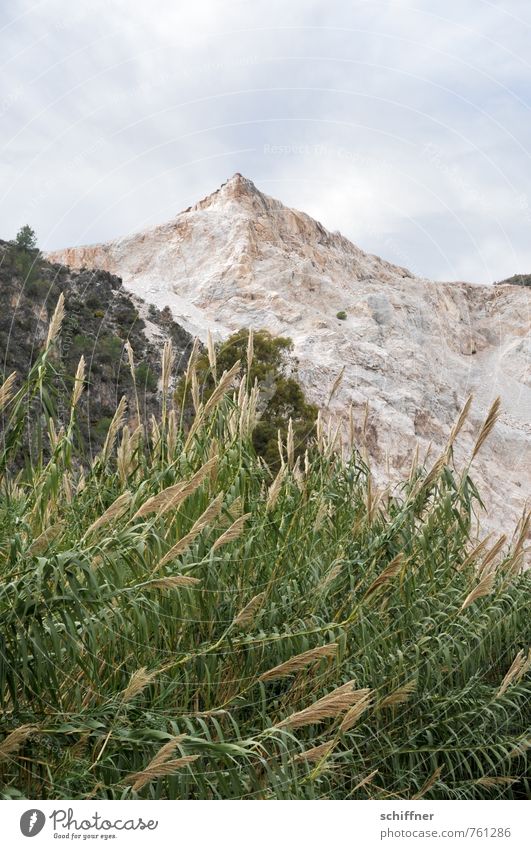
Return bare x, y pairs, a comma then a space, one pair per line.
411, 350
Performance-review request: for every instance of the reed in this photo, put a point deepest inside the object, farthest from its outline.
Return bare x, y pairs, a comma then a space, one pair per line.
178, 621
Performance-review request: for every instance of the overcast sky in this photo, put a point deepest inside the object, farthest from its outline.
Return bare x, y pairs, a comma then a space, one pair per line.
405, 124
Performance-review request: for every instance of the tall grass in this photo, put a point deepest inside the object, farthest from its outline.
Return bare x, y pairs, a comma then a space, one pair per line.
177, 624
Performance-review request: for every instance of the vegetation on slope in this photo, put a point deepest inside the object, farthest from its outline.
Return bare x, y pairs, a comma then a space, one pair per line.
101, 321
281, 397
177, 624
518, 280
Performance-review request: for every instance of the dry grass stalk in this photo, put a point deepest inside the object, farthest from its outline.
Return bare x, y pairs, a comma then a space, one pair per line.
275, 488
298, 475
246, 616
367, 780
79, 381
42, 542
456, 429
335, 387
138, 682
168, 358
315, 754
67, 487
163, 756
173, 496
11, 744
473, 555
322, 514
521, 748
517, 670
172, 582
319, 432
400, 695
81, 481
434, 474
155, 434
373, 498
116, 509
332, 575
140, 779
57, 320
130, 359
236, 508
335, 439
53, 436
211, 351
351, 428
483, 588
492, 554
496, 780
390, 571
355, 712
199, 525
173, 432
517, 554
126, 451
280, 447
194, 391
299, 661
6, 390
114, 427
290, 445
488, 425
231, 533
330, 706
225, 381
192, 360
250, 350
433, 779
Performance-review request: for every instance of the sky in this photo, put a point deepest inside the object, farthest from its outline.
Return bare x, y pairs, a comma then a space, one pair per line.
405, 124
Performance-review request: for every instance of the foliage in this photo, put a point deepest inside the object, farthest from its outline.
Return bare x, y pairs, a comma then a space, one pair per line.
282, 398
341, 315
101, 319
26, 238
173, 625
519, 280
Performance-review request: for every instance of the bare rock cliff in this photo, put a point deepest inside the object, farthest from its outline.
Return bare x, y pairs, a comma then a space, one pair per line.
412, 349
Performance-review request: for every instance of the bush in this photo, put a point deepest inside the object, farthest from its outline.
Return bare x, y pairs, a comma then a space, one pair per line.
146, 378
341, 315
26, 239
283, 398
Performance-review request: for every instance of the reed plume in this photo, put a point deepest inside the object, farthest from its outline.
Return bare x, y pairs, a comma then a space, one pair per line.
338, 701
6, 390
487, 427
299, 661
246, 616
232, 533
56, 322
199, 525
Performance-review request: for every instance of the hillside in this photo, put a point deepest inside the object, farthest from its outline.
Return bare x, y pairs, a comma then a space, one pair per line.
412, 349
101, 316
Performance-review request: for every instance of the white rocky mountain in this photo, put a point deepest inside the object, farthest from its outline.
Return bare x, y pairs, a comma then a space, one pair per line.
413, 350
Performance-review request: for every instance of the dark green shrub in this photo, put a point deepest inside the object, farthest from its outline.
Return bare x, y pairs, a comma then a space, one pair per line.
283, 398
146, 378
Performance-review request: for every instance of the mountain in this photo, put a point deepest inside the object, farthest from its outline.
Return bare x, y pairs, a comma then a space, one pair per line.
412, 349
100, 317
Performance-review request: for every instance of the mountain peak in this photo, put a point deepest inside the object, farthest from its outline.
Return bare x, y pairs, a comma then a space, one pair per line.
236, 187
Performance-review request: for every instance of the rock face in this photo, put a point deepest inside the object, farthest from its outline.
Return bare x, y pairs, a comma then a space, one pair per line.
413, 350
